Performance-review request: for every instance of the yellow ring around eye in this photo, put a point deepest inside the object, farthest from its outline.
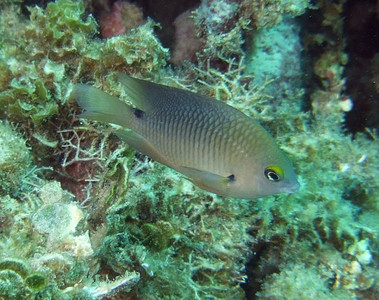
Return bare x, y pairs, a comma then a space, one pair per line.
277, 169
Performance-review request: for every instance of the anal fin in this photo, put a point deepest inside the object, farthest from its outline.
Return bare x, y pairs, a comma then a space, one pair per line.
207, 180
139, 143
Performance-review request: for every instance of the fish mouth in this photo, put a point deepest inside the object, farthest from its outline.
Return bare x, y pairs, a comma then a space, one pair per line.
291, 188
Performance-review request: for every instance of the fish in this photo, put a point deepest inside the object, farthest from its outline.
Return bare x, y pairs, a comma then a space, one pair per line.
214, 145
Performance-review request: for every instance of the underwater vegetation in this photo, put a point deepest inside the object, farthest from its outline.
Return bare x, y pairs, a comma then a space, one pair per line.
84, 216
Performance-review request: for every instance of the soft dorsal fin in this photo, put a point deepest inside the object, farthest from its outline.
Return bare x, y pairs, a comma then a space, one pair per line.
143, 94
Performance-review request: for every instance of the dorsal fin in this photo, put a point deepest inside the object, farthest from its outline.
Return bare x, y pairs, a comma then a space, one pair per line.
143, 94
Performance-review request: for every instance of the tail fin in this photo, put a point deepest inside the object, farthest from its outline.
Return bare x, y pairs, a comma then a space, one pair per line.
102, 107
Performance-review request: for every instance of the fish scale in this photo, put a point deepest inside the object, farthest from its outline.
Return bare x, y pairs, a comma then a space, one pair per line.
213, 144
190, 137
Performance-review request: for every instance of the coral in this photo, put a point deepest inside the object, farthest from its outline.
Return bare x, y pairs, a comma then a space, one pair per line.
35, 77
60, 23
298, 282
121, 19
225, 27
140, 49
84, 154
11, 284
124, 283
275, 55
56, 47
148, 232
187, 43
16, 266
157, 236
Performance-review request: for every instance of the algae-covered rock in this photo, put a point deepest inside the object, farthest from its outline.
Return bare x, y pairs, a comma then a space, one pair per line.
56, 47
11, 285
15, 159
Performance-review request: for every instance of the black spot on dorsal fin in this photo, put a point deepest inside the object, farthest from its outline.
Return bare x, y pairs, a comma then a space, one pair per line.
231, 178
138, 113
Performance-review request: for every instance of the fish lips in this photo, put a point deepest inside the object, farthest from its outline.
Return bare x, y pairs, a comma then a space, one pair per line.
291, 188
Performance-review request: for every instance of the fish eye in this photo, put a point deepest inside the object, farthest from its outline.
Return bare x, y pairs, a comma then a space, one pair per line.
274, 173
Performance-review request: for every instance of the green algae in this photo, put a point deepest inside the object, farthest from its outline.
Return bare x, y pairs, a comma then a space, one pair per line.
56, 46
16, 266
11, 285
15, 159
36, 281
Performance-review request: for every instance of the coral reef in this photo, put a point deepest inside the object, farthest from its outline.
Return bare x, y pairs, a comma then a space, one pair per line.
85, 217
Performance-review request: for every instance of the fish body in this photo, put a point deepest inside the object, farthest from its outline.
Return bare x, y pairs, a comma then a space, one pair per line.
216, 146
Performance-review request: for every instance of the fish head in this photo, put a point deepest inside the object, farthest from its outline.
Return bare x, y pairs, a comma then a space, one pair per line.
269, 175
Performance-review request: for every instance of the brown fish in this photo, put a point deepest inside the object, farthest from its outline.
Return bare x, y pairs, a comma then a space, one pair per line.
216, 146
